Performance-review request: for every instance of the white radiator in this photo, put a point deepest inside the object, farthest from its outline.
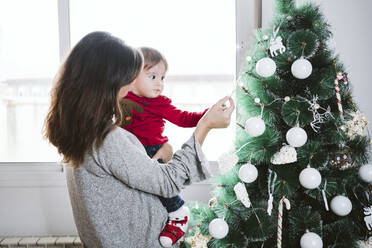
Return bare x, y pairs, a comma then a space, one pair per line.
39, 242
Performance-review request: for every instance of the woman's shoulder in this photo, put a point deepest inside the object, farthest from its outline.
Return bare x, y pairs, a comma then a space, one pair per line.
121, 136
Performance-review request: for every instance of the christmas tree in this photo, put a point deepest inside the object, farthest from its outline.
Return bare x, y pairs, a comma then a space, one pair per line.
299, 174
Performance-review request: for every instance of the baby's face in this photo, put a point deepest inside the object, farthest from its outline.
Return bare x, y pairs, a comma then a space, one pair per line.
150, 82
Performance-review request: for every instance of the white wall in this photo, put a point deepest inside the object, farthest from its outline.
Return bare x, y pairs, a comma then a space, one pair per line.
351, 26
34, 200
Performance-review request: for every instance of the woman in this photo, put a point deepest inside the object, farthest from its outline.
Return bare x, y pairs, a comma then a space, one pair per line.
113, 184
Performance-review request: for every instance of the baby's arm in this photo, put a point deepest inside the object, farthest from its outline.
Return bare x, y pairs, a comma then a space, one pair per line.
165, 153
182, 118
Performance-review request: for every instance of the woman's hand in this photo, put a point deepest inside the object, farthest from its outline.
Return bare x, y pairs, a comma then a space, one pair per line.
165, 153
217, 116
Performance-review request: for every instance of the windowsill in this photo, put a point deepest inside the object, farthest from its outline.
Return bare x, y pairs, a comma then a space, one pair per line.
13, 174
49, 174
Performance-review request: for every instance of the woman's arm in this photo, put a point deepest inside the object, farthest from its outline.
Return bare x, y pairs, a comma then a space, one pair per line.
122, 155
165, 153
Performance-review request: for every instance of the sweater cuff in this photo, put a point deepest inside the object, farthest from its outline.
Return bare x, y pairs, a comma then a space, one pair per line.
202, 162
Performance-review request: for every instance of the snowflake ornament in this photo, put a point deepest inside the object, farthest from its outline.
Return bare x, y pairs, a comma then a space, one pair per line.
356, 125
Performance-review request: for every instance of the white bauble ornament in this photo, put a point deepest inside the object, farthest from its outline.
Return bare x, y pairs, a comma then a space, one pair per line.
265, 67
255, 126
301, 68
365, 173
341, 205
310, 178
218, 228
311, 240
296, 137
248, 173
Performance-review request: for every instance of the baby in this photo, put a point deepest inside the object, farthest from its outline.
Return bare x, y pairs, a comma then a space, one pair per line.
144, 110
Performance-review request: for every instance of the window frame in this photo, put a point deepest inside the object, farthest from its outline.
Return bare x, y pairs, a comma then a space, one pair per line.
248, 19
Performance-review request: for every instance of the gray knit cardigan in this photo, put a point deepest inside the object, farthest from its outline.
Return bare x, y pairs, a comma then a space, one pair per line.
114, 194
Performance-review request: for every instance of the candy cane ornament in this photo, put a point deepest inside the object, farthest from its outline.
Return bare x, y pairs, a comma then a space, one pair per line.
338, 96
342, 77
280, 219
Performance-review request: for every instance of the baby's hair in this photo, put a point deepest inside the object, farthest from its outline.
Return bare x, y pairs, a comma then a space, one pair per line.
152, 57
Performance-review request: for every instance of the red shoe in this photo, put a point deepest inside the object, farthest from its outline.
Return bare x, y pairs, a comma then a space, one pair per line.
175, 228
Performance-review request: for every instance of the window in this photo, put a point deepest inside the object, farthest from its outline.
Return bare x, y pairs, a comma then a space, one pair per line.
197, 38
29, 59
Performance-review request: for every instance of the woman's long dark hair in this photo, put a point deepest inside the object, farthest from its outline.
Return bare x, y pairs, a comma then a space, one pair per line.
84, 105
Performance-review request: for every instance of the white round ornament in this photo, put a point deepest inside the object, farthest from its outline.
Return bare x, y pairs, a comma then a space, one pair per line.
296, 137
311, 240
218, 228
255, 126
248, 173
301, 68
341, 205
365, 173
265, 67
310, 178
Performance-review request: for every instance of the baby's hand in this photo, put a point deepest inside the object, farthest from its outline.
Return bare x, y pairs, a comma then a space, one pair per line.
165, 153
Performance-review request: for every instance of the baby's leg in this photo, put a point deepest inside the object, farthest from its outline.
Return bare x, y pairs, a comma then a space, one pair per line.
178, 214
177, 221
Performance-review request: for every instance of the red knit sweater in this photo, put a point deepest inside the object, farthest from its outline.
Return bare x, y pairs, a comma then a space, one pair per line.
148, 126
